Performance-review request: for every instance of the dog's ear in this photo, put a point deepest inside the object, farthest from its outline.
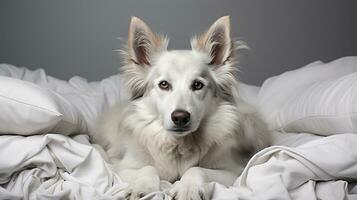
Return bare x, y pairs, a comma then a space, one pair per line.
141, 49
216, 41
143, 44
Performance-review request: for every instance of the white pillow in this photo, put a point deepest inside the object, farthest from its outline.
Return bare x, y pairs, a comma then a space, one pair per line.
325, 108
26, 108
318, 98
78, 100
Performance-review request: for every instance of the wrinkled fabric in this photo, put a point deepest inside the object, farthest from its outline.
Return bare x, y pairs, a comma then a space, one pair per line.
59, 167
55, 167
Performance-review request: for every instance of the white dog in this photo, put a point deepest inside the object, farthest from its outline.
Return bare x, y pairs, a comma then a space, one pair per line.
185, 120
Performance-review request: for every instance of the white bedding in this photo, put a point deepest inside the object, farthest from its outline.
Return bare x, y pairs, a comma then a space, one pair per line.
299, 166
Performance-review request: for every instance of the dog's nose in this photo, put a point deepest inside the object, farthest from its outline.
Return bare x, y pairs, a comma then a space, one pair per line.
180, 117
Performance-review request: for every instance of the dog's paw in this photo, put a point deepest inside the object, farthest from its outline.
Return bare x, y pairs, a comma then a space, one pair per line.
188, 191
140, 188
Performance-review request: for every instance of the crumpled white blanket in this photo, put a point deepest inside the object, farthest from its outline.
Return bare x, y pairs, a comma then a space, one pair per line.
58, 167
55, 167
52, 166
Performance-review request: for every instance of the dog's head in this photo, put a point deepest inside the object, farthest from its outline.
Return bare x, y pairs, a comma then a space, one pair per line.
183, 85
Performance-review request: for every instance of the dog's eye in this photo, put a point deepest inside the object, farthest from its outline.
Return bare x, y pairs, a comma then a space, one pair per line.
164, 85
197, 85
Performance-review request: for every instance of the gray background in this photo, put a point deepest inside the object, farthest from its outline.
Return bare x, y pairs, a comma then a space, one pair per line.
77, 37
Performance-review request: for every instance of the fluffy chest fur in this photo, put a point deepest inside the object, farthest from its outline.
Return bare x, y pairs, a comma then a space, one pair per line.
172, 156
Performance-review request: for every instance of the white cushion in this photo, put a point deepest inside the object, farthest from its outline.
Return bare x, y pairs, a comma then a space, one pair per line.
325, 108
318, 98
77, 100
27, 108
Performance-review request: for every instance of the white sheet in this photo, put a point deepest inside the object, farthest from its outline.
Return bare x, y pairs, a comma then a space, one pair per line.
59, 167
56, 167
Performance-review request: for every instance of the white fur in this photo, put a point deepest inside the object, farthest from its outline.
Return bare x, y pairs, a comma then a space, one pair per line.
224, 131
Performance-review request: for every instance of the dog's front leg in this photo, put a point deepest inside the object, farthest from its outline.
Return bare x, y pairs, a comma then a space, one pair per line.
141, 181
192, 183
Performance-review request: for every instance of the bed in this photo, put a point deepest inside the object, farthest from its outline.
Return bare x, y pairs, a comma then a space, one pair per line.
312, 112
